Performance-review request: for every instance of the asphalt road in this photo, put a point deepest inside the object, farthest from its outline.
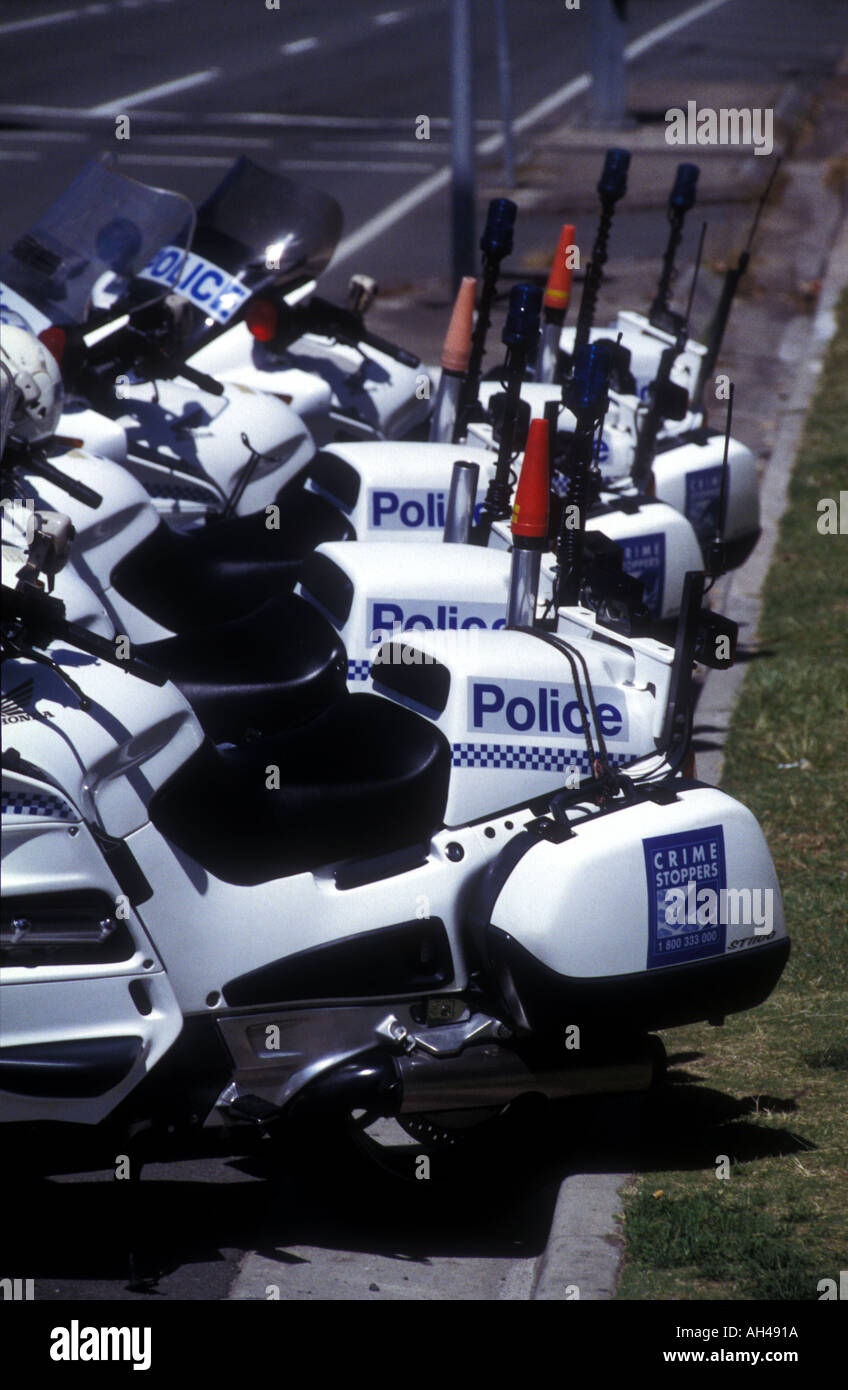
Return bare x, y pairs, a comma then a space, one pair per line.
328, 92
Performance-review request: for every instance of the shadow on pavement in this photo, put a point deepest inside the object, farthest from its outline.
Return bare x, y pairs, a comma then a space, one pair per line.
179, 1231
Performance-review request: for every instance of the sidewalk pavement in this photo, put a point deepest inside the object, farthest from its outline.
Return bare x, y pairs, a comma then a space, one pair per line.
803, 242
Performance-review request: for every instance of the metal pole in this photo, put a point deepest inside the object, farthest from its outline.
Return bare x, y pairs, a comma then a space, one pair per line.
505, 90
461, 499
462, 140
608, 20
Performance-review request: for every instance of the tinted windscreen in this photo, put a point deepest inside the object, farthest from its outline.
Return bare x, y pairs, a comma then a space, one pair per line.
256, 220
103, 222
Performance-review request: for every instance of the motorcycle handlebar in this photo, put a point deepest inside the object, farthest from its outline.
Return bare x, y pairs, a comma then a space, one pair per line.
43, 618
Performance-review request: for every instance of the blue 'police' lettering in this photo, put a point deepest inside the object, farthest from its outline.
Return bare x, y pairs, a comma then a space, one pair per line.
201, 281
407, 509
388, 616
524, 707
217, 279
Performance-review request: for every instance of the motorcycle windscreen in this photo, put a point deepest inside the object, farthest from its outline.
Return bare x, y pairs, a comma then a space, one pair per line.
104, 224
258, 225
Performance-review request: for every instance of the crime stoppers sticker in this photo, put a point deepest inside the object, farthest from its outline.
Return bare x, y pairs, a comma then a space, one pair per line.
687, 883
643, 557
703, 491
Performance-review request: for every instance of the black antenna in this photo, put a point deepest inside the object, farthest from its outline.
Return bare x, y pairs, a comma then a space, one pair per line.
520, 336
764, 197
728, 294
687, 316
587, 397
716, 559
664, 393
599, 434
611, 187
680, 201
496, 245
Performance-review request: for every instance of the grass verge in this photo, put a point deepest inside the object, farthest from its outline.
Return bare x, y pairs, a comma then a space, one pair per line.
769, 1091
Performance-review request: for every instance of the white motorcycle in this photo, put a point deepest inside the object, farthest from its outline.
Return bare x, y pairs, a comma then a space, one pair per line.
364, 916
197, 447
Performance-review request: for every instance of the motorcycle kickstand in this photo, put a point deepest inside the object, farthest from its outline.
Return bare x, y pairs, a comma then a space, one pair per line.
138, 1281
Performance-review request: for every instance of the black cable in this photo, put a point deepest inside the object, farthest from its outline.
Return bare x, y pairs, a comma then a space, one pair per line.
565, 648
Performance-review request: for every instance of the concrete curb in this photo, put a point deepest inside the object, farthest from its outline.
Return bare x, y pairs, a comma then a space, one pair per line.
741, 597
582, 1255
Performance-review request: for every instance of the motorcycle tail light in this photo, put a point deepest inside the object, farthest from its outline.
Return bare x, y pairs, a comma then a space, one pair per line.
54, 339
261, 318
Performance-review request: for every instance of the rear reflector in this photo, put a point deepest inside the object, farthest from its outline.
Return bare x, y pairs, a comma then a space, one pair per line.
54, 339
261, 318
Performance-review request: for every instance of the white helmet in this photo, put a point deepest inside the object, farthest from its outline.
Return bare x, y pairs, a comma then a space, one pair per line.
33, 373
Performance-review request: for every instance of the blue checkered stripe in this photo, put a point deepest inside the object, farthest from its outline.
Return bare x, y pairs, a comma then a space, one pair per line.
358, 670
37, 804
559, 485
525, 757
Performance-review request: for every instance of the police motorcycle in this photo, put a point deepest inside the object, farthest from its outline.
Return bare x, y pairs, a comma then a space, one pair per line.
426, 920
669, 374
647, 336
272, 237
212, 609
199, 448
655, 442
277, 660
248, 655
402, 493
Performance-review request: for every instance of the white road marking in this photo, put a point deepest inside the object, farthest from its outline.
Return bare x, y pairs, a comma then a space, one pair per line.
332, 122
394, 212
389, 17
254, 142
62, 136
340, 166
298, 46
75, 113
180, 84
410, 146
58, 112
228, 118
671, 26
16, 25
204, 161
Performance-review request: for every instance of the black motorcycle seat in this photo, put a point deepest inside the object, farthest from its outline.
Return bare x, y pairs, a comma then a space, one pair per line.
365, 777
226, 568
277, 667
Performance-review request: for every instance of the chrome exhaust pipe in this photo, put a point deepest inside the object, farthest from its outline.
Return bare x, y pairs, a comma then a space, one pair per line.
493, 1075
351, 1058
482, 1076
